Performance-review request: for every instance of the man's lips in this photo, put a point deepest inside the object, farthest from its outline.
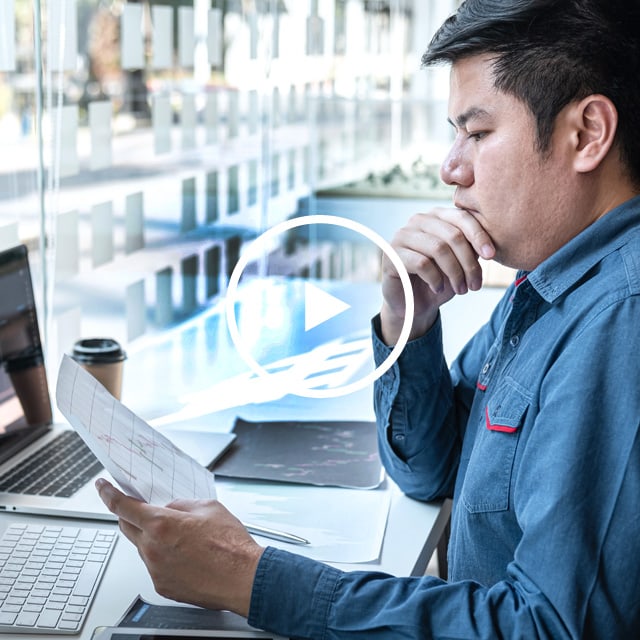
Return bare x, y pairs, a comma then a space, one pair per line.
471, 210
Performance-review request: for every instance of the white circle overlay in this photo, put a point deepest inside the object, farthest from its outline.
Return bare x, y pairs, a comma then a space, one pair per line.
248, 255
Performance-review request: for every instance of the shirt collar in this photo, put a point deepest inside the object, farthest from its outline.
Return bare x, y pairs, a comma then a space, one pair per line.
553, 277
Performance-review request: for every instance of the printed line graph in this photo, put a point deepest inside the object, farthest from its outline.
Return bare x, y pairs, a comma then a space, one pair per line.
145, 463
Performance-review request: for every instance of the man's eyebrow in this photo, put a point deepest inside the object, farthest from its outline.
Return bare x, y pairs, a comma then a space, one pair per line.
470, 114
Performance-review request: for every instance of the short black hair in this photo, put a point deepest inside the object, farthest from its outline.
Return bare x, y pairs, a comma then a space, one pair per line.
550, 53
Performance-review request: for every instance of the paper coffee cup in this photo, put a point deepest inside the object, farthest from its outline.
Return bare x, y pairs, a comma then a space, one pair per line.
104, 359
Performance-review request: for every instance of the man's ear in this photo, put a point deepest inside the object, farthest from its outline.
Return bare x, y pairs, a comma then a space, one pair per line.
595, 119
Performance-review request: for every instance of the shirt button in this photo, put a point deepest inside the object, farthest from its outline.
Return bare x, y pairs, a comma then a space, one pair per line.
515, 341
399, 437
486, 367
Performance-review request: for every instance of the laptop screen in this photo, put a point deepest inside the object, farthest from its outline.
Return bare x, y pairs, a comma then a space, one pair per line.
24, 394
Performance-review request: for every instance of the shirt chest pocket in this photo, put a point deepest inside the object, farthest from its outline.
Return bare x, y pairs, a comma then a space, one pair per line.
487, 481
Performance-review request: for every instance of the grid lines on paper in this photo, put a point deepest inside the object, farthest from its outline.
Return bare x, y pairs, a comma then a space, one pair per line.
139, 457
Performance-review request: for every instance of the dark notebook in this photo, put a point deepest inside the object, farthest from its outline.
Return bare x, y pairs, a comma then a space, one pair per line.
324, 453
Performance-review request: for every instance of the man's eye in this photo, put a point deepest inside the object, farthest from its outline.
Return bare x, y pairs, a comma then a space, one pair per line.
476, 135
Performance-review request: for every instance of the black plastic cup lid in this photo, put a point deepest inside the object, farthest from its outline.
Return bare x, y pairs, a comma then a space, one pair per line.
98, 350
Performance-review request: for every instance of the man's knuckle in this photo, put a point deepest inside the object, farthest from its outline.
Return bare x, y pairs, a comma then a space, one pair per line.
416, 220
439, 247
456, 236
423, 263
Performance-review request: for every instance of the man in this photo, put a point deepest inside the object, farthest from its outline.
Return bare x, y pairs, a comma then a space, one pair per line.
534, 430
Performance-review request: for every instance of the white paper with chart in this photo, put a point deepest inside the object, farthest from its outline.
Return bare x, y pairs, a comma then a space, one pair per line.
142, 461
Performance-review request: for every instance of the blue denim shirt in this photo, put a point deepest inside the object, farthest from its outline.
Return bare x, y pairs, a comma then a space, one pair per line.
534, 432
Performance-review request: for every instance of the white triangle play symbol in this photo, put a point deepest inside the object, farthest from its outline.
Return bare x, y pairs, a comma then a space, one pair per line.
320, 306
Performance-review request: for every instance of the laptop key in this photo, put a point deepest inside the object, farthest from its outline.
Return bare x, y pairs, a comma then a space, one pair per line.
65, 465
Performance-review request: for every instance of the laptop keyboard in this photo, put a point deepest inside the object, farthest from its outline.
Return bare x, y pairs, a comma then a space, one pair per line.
49, 576
59, 469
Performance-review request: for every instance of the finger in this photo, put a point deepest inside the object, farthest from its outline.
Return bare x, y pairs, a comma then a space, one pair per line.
422, 266
443, 241
130, 531
125, 507
474, 232
439, 254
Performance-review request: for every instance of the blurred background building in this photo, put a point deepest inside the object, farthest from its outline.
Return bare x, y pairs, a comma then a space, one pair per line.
144, 142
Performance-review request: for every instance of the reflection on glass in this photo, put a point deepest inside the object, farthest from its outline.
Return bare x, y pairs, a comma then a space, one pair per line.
24, 394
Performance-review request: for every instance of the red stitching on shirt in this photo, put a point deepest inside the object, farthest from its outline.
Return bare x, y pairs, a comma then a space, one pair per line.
497, 427
520, 280
482, 387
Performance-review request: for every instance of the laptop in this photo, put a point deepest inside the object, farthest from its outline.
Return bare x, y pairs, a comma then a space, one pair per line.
46, 468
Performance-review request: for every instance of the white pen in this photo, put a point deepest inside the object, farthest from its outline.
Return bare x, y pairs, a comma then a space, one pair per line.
275, 535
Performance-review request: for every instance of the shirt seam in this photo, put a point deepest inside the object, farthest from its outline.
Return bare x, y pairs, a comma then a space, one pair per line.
594, 580
329, 599
256, 601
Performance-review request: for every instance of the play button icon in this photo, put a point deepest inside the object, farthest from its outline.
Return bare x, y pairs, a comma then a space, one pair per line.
320, 306
312, 364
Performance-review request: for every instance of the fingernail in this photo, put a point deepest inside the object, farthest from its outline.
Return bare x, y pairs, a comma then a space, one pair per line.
487, 251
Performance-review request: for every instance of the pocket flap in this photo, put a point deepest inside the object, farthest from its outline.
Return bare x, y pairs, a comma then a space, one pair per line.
505, 411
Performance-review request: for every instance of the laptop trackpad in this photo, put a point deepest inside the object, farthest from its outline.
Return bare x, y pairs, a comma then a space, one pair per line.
203, 446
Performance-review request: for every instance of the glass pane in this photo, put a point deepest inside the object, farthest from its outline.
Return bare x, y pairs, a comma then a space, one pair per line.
144, 143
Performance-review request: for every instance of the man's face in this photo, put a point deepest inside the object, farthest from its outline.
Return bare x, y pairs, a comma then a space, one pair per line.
526, 201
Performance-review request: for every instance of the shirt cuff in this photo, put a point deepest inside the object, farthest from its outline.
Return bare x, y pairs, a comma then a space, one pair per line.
417, 357
292, 594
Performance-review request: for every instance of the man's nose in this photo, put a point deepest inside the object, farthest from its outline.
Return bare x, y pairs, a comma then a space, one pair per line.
455, 169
